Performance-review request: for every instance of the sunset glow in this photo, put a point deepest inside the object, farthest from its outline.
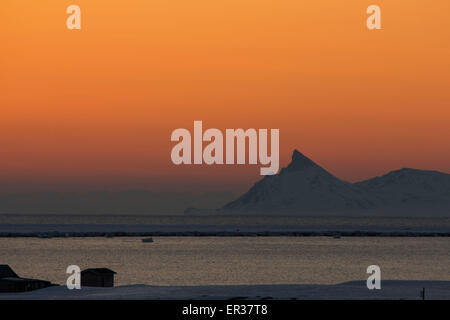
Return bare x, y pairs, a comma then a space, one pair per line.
94, 108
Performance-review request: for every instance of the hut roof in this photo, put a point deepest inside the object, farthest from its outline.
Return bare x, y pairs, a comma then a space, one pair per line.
7, 272
99, 271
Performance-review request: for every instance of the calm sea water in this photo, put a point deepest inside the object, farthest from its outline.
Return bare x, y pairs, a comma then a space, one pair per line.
231, 260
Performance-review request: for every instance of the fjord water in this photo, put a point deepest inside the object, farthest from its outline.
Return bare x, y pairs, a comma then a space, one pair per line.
232, 260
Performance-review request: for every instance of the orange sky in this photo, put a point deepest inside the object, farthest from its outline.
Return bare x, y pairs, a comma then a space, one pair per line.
94, 108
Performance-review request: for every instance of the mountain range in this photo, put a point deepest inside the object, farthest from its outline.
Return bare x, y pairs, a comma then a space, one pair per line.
305, 188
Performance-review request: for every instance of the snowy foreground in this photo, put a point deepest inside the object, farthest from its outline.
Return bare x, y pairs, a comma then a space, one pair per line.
355, 290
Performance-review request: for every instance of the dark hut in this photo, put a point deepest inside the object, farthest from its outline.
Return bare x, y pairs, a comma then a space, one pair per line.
97, 277
11, 282
7, 272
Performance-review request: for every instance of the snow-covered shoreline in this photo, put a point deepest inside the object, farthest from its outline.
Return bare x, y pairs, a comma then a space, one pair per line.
354, 290
141, 230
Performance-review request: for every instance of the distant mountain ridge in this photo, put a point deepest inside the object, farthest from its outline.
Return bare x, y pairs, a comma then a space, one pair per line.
411, 189
305, 188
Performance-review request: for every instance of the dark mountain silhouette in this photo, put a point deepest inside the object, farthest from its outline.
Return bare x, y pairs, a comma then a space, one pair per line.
411, 190
304, 188
302, 185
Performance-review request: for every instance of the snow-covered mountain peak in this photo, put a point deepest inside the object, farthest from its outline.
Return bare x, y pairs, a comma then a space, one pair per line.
299, 162
305, 188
